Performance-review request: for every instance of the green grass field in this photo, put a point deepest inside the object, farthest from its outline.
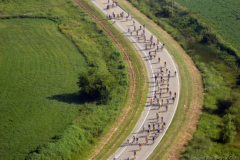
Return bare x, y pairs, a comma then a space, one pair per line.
44, 45
222, 15
37, 63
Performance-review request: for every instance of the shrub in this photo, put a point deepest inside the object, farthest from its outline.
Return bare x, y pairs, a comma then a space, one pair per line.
228, 129
235, 110
96, 84
66, 146
209, 38
199, 147
165, 13
223, 105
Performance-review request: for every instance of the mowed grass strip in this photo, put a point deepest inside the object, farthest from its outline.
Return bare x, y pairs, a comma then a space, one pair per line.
37, 62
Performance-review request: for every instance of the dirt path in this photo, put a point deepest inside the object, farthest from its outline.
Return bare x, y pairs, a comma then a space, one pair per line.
132, 87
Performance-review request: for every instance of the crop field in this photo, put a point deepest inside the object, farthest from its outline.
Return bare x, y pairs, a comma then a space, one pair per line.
37, 63
44, 46
222, 15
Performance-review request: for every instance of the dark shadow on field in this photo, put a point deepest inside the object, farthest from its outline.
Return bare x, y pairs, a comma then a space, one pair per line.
69, 98
238, 80
222, 107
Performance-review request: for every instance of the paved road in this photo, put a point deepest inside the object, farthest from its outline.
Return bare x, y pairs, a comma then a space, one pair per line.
154, 68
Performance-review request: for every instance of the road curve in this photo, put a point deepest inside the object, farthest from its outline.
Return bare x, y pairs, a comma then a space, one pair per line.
154, 68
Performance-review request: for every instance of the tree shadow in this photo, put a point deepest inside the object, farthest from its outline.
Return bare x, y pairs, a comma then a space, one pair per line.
75, 98
238, 80
223, 106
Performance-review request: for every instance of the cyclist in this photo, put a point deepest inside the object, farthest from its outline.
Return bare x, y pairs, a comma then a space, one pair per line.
143, 128
153, 138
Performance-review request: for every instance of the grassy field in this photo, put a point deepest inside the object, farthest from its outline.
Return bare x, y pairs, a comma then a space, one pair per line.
222, 15
44, 47
37, 63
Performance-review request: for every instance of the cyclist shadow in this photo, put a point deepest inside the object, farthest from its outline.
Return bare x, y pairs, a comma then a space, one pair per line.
130, 144
123, 145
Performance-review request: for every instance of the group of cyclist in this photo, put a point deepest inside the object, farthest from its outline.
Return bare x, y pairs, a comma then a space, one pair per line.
114, 4
162, 79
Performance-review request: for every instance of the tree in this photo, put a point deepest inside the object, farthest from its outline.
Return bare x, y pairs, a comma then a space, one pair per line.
228, 129
235, 110
223, 105
209, 38
165, 12
96, 84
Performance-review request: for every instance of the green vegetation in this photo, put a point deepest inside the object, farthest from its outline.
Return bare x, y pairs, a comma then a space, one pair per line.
217, 126
45, 45
228, 129
186, 28
222, 15
96, 85
37, 63
219, 66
